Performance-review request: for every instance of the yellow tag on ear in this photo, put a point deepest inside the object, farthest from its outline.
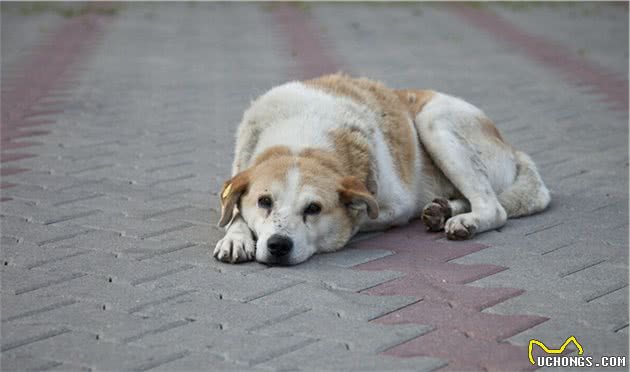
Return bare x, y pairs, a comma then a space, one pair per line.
226, 192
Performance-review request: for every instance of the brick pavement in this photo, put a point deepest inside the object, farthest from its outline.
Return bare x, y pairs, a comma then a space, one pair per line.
106, 236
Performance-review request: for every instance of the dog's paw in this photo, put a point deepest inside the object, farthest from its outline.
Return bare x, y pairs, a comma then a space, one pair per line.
435, 214
461, 227
235, 247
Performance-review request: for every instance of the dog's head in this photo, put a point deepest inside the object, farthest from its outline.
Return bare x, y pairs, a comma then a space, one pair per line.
296, 205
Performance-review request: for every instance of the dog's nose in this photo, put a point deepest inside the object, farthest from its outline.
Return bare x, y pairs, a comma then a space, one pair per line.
279, 245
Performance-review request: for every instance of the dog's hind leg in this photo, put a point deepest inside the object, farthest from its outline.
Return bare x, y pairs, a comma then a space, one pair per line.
461, 162
528, 194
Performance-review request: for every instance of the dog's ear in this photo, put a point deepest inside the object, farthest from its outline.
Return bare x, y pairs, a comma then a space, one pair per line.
231, 194
354, 194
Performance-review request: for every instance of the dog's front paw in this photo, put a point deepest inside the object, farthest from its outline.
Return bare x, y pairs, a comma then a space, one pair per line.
461, 227
235, 247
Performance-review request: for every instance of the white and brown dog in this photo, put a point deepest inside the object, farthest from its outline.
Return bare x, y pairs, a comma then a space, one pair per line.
318, 161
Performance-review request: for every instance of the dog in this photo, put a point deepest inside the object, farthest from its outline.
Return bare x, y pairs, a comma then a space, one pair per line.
319, 160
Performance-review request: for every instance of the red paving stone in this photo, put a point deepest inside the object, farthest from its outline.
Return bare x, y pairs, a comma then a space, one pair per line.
465, 353
306, 44
553, 55
455, 295
11, 170
463, 335
36, 123
475, 324
9, 145
7, 157
46, 70
12, 133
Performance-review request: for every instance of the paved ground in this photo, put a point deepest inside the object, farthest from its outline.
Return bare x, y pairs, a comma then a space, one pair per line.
117, 132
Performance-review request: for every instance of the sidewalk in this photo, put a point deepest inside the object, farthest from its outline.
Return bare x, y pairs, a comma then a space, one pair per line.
117, 134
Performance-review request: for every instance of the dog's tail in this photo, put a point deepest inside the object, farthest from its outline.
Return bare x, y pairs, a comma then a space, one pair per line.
528, 194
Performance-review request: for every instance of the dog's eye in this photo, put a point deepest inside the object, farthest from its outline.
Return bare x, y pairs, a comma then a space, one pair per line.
312, 209
265, 202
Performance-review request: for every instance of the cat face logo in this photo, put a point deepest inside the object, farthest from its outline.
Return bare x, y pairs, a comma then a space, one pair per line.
553, 351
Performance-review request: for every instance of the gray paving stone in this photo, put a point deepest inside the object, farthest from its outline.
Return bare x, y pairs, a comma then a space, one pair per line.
18, 281
48, 181
584, 284
19, 229
350, 257
110, 266
27, 362
358, 336
347, 305
231, 285
210, 308
117, 296
51, 197
186, 231
123, 246
110, 325
349, 280
575, 19
601, 316
325, 355
15, 307
238, 347
16, 336
200, 255
198, 361
29, 255
132, 227
45, 216
85, 350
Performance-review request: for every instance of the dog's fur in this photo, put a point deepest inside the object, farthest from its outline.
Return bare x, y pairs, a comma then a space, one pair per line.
369, 158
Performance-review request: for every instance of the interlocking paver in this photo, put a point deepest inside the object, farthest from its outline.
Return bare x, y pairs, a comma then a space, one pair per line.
358, 335
340, 303
239, 347
86, 350
228, 314
333, 277
21, 362
324, 354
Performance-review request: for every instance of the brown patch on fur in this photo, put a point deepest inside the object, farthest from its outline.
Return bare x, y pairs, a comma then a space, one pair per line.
414, 99
326, 159
396, 123
353, 151
340, 85
320, 169
272, 152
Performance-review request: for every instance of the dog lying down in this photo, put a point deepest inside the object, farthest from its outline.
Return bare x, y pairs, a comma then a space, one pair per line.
317, 161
